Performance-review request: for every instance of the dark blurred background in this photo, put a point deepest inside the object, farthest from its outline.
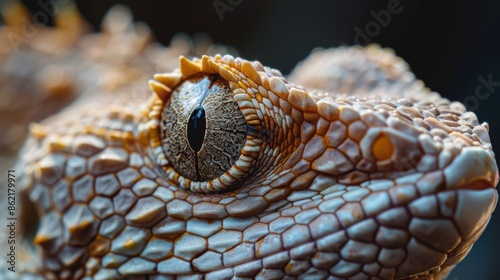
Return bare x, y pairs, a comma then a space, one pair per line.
454, 47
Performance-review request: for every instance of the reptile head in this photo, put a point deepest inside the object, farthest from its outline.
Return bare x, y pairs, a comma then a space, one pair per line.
231, 170
325, 184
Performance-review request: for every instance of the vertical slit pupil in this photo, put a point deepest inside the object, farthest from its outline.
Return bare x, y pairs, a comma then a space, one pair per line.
196, 128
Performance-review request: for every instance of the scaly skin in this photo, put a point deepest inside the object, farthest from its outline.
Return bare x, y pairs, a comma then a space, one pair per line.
333, 186
381, 184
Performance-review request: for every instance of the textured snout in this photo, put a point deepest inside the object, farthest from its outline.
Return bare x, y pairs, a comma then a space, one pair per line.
473, 168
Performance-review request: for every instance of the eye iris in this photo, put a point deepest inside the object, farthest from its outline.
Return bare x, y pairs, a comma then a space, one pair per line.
196, 128
203, 129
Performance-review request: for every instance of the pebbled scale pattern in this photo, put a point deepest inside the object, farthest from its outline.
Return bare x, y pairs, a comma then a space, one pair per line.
363, 173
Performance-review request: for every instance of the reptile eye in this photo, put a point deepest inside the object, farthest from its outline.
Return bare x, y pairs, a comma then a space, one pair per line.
203, 129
